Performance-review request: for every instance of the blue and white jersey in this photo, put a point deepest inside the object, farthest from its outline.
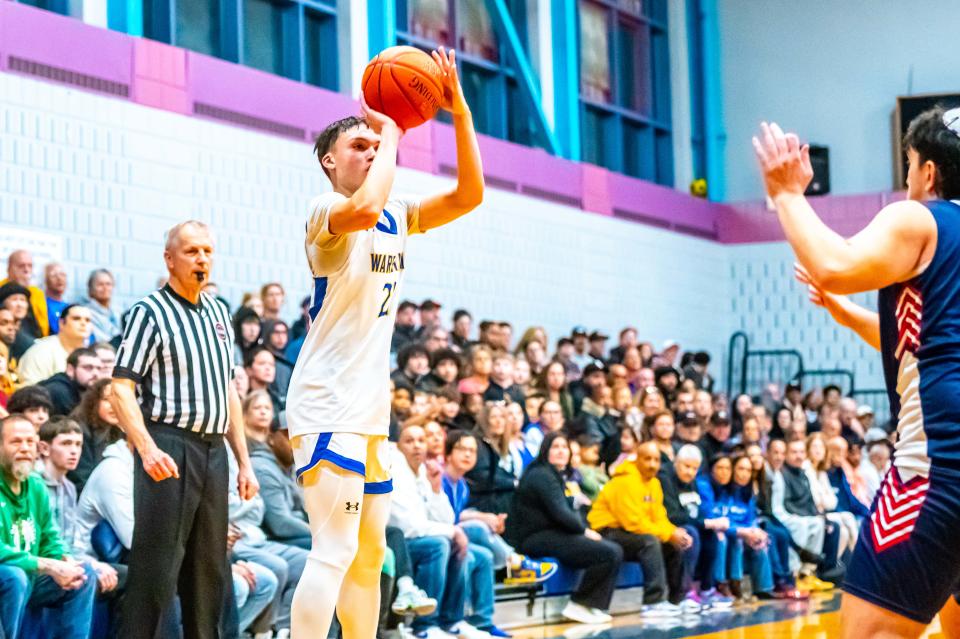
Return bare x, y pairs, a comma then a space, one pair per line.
341, 382
920, 345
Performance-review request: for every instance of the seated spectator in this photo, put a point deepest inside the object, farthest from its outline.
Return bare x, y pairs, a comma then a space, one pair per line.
275, 337
793, 505
7, 379
286, 562
100, 427
501, 381
838, 474
106, 322
848, 456
439, 549
875, 463
543, 523
436, 441
15, 300
684, 509
749, 432
689, 430
20, 272
580, 389
434, 337
651, 401
514, 432
549, 419
817, 465
254, 587
405, 326
593, 476
107, 355
462, 326
66, 388
33, 402
8, 336
660, 429
285, 519
444, 371
413, 365
629, 442
261, 367
55, 286
37, 571
482, 528
493, 479
48, 355
745, 536
108, 498
247, 332
449, 399
481, 365
272, 294
553, 385
716, 439
630, 513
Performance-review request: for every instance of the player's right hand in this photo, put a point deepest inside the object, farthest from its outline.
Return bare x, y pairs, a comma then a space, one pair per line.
157, 463
378, 122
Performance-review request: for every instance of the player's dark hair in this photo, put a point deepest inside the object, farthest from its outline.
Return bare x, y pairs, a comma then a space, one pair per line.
933, 140
328, 137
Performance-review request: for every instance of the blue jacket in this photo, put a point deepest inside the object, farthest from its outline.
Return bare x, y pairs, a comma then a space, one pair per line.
846, 501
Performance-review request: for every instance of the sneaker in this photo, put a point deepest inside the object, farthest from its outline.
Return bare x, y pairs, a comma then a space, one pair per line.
691, 606
434, 632
463, 630
716, 600
601, 616
581, 614
493, 631
415, 601
813, 584
662, 609
528, 571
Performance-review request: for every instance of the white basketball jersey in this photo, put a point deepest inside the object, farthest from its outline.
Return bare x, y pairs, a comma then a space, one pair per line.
341, 382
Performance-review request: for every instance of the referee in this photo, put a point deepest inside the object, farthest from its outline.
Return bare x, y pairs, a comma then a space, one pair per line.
177, 352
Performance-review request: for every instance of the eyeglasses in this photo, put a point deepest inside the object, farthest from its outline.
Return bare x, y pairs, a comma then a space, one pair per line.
951, 120
466, 449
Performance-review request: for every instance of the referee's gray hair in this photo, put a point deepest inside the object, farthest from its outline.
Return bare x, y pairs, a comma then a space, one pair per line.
174, 232
689, 452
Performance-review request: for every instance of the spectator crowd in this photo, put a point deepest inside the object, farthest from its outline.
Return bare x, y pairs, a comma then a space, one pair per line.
515, 458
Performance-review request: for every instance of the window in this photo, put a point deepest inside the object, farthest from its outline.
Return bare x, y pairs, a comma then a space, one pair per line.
490, 86
625, 87
293, 38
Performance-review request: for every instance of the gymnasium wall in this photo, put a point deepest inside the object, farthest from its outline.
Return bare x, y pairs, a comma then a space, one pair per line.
831, 71
109, 176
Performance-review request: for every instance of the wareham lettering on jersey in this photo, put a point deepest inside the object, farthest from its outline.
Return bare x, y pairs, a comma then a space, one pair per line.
386, 262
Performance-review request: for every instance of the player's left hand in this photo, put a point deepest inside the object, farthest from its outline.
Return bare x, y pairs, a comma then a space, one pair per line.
453, 98
785, 163
247, 483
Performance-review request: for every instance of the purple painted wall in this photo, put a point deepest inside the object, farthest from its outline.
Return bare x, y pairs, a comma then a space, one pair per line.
65, 50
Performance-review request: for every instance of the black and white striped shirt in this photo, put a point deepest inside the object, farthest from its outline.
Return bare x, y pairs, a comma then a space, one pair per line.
180, 355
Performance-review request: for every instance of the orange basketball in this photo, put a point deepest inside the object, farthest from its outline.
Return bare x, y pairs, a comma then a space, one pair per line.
404, 83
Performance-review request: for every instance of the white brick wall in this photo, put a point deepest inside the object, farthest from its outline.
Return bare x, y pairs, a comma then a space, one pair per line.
112, 176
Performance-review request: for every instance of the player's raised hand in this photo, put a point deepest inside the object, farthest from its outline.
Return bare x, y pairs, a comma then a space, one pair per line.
453, 98
834, 304
375, 120
784, 162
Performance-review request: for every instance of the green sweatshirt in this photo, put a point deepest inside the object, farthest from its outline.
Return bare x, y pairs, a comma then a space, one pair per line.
27, 527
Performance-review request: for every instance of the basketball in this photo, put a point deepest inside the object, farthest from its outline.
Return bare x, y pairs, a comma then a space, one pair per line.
405, 84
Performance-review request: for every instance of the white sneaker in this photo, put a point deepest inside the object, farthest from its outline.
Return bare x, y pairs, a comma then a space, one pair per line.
434, 632
601, 616
662, 609
689, 606
283, 633
465, 631
582, 614
415, 601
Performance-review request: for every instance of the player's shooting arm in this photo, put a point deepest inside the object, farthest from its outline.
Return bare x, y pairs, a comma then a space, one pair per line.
361, 211
467, 195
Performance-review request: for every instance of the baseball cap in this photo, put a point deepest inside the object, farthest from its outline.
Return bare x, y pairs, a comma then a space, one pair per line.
429, 305
864, 410
874, 435
688, 418
670, 343
578, 331
594, 367
597, 335
720, 417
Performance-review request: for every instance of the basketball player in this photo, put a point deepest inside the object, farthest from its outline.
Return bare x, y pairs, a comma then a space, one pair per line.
338, 406
906, 565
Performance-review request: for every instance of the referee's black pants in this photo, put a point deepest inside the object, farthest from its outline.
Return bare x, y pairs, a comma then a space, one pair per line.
179, 539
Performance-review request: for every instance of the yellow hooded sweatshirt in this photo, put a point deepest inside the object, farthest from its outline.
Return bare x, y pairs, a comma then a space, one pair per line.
632, 504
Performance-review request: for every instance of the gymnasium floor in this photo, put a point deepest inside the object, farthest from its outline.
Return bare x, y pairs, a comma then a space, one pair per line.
817, 619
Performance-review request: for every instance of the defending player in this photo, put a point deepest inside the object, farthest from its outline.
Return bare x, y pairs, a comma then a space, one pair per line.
906, 565
338, 406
